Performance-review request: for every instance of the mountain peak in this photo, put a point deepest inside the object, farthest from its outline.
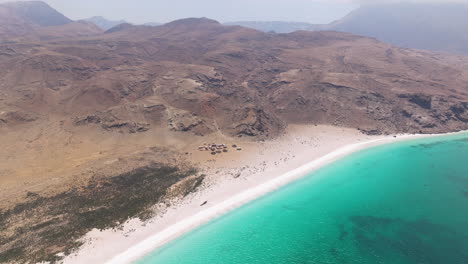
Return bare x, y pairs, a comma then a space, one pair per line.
37, 12
104, 23
119, 27
438, 27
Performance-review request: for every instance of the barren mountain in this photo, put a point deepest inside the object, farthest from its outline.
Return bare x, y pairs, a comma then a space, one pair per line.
35, 20
197, 77
77, 107
106, 24
103, 23
36, 12
439, 27
220, 74
153, 24
274, 26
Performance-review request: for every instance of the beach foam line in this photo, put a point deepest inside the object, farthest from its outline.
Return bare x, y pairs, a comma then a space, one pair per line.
170, 233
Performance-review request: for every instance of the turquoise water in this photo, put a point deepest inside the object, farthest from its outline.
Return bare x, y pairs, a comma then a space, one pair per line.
404, 203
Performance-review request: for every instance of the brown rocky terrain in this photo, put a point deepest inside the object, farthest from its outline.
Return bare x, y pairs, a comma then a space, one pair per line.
209, 77
78, 104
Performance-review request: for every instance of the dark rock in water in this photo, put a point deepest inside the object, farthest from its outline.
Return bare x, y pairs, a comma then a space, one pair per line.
465, 193
382, 236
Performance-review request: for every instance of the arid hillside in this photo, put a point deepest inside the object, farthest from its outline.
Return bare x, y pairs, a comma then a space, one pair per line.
78, 98
207, 77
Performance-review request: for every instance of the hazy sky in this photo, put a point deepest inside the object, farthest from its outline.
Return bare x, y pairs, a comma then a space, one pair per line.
138, 11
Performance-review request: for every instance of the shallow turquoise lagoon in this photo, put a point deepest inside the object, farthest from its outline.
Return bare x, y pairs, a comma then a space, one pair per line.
404, 203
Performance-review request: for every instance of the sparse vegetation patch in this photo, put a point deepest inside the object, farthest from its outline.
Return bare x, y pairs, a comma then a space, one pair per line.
46, 226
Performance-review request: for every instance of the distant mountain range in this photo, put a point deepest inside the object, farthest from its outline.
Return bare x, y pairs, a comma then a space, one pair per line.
441, 27
152, 24
437, 27
103, 23
275, 26
106, 24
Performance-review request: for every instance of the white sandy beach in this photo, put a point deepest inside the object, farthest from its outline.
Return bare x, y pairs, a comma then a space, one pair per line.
233, 180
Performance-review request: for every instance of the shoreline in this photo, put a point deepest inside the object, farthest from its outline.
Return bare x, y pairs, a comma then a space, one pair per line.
174, 223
